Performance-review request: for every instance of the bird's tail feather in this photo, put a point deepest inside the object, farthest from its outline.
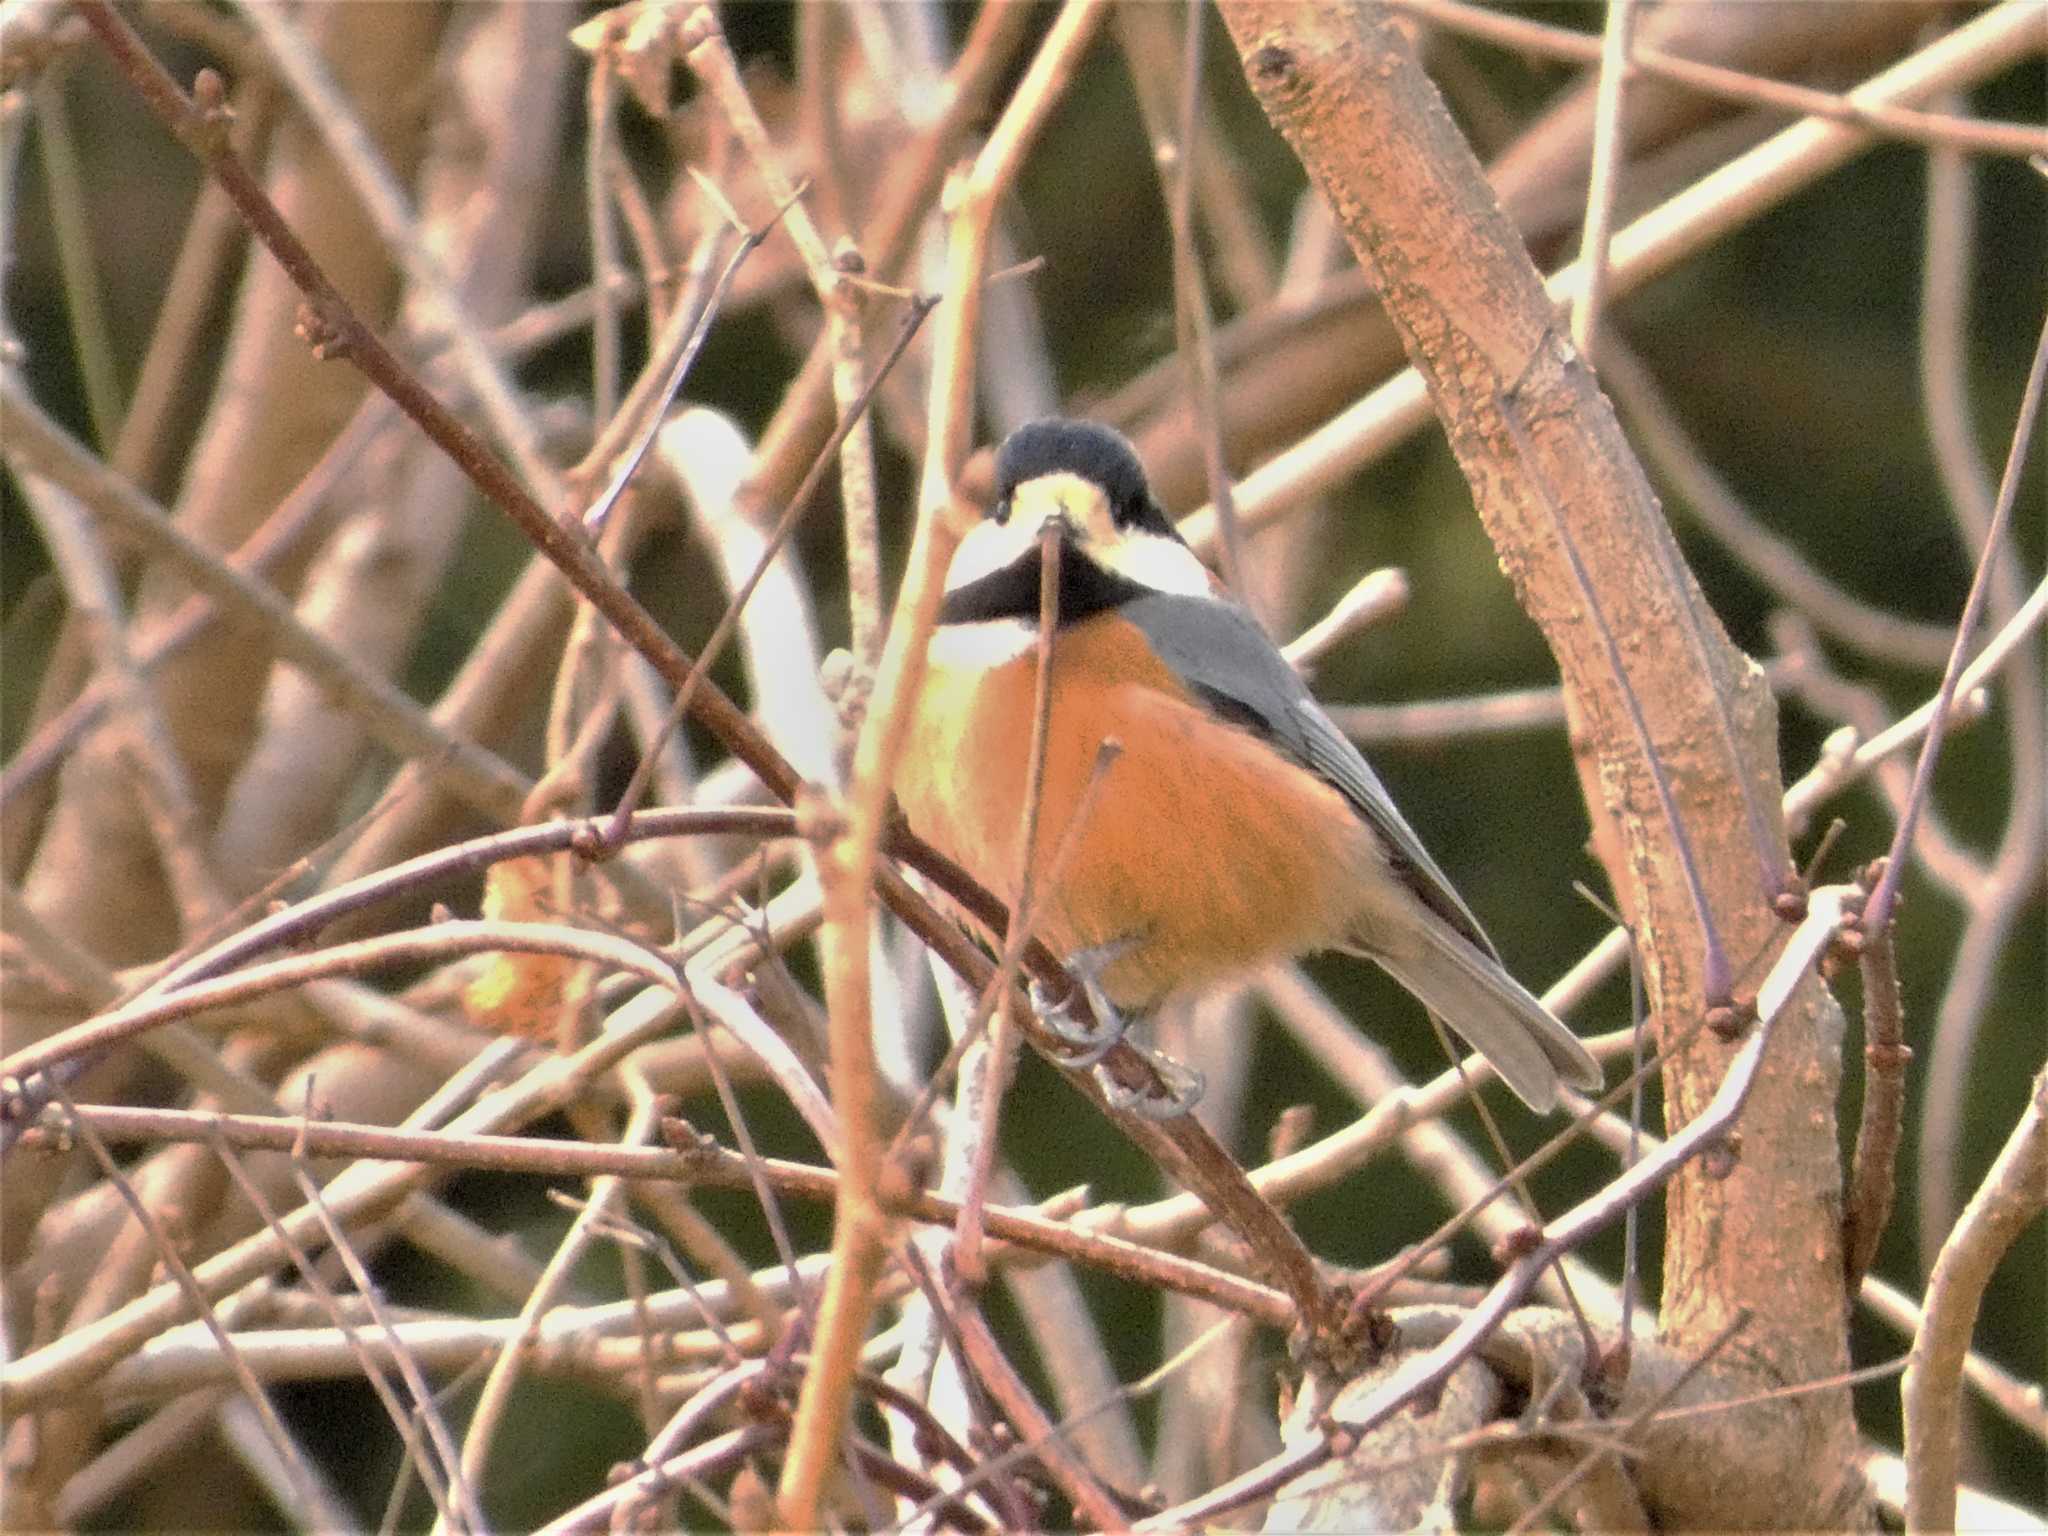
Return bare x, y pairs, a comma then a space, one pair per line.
1475, 996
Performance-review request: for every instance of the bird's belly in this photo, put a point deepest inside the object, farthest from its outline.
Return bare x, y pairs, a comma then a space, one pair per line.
1203, 852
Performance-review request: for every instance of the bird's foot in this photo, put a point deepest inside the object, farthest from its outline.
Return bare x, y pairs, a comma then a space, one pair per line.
1178, 1088
1183, 1088
1097, 1039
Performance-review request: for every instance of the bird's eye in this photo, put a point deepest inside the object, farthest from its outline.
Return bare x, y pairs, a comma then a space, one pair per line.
1000, 513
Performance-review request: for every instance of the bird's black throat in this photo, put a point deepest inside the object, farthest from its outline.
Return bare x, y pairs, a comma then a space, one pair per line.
1011, 592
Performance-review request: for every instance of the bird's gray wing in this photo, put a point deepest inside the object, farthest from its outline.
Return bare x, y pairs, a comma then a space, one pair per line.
1219, 651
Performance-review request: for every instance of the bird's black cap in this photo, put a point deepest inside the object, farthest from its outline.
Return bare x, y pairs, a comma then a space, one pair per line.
1097, 453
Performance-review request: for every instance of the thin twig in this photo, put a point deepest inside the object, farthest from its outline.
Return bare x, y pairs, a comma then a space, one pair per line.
1373, 598
887, 238
921, 1368
441, 942
757, 1175
2014, 1192
183, 1281
1603, 182
1878, 913
1941, 129
705, 50
705, 1460
1867, 1203
847, 861
1092, 1503
600, 150
967, 1262
402, 1418
1176, 157
690, 1160
1150, 1382
1473, 1191
87, 1352
64, 194
470, 1467
1996, 898
461, 1487
631, 431
835, 275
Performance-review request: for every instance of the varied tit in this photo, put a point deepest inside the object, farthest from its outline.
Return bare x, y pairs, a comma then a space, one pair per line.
1236, 826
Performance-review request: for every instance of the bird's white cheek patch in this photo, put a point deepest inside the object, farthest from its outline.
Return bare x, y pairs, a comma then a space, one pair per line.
984, 645
1161, 564
987, 548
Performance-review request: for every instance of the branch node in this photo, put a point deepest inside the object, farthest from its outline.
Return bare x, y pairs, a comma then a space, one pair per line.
819, 820
1730, 1021
1720, 1158
895, 1186
216, 117
590, 843
1608, 1371
53, 1133
678, 1135
1273, 67
1517, 1243
324, 332
698, 28
1811, 875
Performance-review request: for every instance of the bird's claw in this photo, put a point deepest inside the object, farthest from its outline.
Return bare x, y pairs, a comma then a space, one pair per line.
1184, 1087
1097, 1040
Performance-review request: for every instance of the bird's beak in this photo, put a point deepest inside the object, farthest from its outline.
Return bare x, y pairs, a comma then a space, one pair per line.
1054, 513
1058, 521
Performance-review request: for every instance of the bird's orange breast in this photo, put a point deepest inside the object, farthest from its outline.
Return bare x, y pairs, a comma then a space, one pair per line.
1205, 851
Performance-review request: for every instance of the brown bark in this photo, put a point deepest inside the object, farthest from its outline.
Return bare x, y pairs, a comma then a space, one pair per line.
1660, 690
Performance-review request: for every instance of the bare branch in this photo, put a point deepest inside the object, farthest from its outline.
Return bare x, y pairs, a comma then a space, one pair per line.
2013, 1193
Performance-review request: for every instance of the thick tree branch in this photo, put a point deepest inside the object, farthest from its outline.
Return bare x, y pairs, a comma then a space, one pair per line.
1679, 731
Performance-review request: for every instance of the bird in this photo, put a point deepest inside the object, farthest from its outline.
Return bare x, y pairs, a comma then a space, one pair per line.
1236, 826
